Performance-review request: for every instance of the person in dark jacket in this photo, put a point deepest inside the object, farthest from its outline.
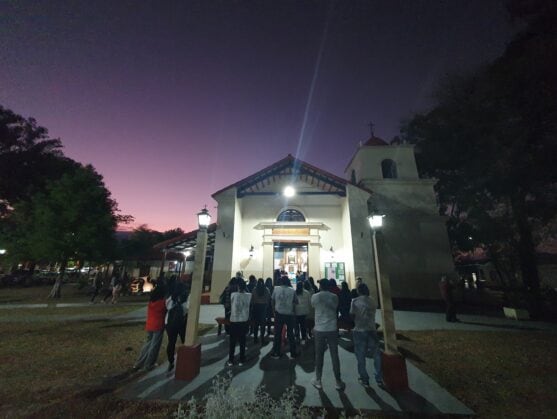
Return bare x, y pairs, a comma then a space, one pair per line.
260, 300
344, 301
175, 321
446, 288
225, 299
269, 285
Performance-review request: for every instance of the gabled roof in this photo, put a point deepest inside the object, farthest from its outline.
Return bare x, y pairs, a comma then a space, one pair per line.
188, 240
293, 168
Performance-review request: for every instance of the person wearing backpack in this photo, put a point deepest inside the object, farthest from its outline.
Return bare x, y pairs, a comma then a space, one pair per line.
175, 321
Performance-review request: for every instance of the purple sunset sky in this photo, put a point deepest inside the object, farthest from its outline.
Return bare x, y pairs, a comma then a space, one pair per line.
172, 101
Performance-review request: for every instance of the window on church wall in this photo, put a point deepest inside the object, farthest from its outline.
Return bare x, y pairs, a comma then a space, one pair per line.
291, 215
388, 167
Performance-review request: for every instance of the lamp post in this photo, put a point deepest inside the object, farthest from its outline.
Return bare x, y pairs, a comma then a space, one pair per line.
188, 361
395, 375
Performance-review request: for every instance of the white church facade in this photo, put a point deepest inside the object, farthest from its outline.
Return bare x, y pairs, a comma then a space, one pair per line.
295, 217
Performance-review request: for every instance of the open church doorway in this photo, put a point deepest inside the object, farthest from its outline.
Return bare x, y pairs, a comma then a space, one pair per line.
291, 259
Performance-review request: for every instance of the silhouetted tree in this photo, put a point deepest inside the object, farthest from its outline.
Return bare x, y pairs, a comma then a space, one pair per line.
491, 140
73, 218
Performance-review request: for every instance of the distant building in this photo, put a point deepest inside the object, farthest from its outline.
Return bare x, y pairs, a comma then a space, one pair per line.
322, 230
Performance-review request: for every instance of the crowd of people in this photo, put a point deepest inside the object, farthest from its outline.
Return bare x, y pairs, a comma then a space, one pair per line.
167, 310
302, 314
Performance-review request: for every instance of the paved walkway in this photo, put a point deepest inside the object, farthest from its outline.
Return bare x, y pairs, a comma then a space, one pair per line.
404, 320
424, 396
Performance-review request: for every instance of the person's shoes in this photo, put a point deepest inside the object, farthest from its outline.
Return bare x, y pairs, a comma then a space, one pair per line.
151, 367
304, 342
229, 364
380, 384
136, 367
294, 355
340, 386
241, 363
275, 356
170, 367
316, 383
363, 382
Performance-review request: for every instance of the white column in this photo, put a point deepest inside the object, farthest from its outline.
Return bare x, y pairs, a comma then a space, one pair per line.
196, 288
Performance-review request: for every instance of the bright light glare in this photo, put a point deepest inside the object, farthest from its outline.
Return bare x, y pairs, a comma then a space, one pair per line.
375, 221
289, 191
2, 251
187, 253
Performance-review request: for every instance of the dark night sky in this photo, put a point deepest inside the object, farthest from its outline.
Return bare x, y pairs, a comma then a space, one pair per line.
172, 101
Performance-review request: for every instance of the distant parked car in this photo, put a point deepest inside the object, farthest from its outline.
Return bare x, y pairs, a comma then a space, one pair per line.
19, 278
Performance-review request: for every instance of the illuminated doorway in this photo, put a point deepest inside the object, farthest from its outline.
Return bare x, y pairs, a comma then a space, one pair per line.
291, 258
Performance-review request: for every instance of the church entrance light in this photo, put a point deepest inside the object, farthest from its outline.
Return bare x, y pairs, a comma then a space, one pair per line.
289, 191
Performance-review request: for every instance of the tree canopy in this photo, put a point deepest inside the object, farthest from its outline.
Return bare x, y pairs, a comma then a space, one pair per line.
491, 142
28, 158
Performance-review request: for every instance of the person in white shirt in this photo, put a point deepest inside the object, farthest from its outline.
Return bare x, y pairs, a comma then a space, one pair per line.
325, 333
362, 310
284, 301
239, 322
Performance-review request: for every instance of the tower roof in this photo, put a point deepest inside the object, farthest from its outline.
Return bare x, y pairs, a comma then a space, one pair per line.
375, 141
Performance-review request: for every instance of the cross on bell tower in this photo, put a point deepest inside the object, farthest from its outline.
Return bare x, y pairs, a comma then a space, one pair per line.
371, 125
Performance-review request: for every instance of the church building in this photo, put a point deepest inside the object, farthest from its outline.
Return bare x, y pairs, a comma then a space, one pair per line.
300, 219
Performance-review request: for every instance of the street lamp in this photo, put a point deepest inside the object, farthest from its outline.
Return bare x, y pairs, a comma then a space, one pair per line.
395, 375
188, 361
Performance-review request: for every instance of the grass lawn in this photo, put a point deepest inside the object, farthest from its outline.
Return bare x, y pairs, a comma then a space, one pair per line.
69, 369
61, 313
496, 374
70, 294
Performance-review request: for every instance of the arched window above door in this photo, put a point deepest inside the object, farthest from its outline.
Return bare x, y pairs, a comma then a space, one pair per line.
291, 215
388, 167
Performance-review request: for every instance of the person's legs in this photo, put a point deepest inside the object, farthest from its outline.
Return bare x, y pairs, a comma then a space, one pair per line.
302, 323
234, 335
447, 310
95, 293
360, 346
171, 347
154, 348
290, 326
376, 352
332, 341
144, 352
242, 338
227, 313
320, 346
279, 322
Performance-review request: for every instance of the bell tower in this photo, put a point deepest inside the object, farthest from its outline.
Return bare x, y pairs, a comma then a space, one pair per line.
413, 245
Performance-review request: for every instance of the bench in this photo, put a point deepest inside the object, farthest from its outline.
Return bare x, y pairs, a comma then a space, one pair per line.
345, 325
221, 321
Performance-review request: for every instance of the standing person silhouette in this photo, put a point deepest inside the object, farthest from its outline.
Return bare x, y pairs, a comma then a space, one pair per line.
325, 333
284, 301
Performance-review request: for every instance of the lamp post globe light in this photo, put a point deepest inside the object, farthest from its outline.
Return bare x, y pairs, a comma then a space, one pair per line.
395, 374
188, 361
203, 218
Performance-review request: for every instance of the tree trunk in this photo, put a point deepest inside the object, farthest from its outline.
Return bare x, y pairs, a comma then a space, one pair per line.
56, 291
527, 256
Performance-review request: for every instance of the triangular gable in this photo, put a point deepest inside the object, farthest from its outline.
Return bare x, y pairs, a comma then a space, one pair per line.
292, 168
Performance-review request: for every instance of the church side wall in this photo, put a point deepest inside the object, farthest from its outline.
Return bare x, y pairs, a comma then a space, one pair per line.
223, 242
361, 237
